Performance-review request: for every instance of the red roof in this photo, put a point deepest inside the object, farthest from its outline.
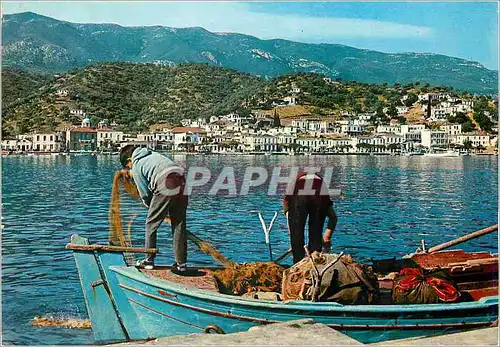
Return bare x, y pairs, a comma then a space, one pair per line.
188, 130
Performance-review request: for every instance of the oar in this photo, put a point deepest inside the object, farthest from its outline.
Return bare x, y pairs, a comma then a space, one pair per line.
283, 256
464, 238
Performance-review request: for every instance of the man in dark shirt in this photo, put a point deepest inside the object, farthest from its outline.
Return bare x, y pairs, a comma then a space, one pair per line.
317, 205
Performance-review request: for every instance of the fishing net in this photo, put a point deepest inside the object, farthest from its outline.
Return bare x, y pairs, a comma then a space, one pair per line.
60, 322
340, 280
415, 286
239, 279
231, 279
116, 234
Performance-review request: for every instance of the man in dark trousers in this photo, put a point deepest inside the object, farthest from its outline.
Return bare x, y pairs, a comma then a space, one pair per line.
160, 183
313, 203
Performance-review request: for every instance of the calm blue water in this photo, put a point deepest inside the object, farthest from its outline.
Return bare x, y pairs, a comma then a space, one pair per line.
389, 204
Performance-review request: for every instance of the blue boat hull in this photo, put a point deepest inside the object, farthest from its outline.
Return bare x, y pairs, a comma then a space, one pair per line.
149, 307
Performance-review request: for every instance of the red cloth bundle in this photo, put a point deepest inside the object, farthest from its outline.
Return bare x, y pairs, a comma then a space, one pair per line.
414, 287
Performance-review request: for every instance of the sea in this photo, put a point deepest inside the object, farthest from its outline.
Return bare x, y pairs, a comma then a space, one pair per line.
387, 206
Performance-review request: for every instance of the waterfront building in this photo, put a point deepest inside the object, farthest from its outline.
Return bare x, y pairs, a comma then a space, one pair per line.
9, 144
24, 144
392, 139
83, 138
47, 142
369, 144
434, 139
187, 138
451, 129
310, 144
164, 139
351, 129
108, 138
412, 128
338, 144
476, 139
261, 143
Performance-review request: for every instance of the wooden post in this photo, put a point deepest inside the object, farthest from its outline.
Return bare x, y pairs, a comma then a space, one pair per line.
464, 238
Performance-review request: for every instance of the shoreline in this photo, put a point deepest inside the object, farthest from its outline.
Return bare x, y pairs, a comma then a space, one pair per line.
241, 154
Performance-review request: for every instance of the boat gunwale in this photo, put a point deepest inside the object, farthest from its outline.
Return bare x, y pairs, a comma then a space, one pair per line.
134, 274
462, 325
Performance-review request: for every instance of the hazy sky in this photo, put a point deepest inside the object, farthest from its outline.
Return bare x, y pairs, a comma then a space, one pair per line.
462, 29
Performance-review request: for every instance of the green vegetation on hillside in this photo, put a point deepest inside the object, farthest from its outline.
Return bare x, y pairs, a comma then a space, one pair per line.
17, 85
135, 96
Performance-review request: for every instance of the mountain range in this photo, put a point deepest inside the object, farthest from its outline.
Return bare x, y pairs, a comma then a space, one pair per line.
46, 45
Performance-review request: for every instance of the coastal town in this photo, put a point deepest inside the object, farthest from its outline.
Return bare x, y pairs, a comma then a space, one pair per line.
430, 131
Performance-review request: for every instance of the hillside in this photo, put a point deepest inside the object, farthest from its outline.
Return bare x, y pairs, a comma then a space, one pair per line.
18, 85
132, 95
43, 44
136, 96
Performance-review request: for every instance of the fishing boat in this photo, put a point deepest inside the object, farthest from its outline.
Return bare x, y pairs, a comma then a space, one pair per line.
448, 153
128, 304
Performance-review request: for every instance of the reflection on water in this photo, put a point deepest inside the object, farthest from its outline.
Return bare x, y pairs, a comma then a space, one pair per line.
388, 205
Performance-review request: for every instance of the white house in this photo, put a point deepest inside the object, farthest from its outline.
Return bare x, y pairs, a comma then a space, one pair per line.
107, 138
311, 144
377, 142
77, 112
412, 128
188, 138
451, 129
261, 143
475, 138
402, 110
47, 142
434, 138
62, 92
9, 144
389, 129
290, 100
351, 129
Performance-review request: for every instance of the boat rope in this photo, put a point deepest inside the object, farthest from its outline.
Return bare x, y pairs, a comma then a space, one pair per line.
214, 328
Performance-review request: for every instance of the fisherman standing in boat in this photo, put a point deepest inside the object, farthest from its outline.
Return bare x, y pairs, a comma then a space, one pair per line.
160, 183
309, 198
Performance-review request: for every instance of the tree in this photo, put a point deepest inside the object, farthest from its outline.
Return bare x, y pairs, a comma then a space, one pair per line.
468, 126
392, 111
412, 98
467, 144
276, 120
483, 121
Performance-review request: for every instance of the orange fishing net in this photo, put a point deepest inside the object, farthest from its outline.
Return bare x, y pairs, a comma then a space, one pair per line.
231, 279
116, 235
62, 322
238, 279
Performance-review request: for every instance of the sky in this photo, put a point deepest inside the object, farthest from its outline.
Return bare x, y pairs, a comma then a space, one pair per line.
467, 30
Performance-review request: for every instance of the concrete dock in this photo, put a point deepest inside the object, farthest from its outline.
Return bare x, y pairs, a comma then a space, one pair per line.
306, 332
